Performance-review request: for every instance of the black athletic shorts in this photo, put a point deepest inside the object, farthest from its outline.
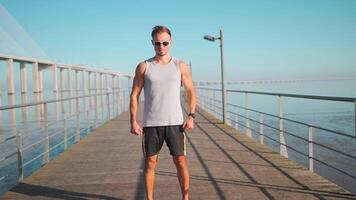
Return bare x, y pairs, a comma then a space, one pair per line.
154, 137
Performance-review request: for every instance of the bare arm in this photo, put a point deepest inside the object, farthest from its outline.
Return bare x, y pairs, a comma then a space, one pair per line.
190, 91
135, 93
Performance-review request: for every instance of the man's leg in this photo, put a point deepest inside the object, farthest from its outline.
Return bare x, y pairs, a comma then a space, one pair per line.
183, 175
149, 175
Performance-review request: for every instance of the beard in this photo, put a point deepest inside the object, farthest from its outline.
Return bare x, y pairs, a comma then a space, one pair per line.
161, 53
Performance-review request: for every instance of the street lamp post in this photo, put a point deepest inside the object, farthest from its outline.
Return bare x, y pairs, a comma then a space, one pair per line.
223, 89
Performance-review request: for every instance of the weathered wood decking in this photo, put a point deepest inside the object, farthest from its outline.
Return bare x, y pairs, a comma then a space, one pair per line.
223, 164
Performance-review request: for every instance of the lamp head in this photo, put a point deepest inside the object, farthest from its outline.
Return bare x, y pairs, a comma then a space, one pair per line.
210, 38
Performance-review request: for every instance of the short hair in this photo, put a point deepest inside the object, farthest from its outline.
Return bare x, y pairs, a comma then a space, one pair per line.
160, 29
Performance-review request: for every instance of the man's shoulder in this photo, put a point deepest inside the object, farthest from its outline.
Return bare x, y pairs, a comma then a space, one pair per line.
183, 66
179, 62
143, 63
141, 67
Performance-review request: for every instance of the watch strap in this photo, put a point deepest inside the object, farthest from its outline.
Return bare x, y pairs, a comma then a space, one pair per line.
192, 115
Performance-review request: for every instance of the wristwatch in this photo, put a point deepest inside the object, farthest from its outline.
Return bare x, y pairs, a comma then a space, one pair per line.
192, 115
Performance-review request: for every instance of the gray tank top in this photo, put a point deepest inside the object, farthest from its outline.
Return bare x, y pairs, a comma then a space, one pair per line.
162, 105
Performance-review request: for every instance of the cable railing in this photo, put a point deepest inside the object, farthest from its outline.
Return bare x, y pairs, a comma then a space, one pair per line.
326, 154
33, 133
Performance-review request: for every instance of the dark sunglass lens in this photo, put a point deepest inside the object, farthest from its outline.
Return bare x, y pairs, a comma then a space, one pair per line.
165, 43
157, 44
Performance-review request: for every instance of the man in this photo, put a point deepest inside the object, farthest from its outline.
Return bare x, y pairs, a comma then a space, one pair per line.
161, 78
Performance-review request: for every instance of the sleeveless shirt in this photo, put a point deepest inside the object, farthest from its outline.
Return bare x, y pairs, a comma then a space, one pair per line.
162, 106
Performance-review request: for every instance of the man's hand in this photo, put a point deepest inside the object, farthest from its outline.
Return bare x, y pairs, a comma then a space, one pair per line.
136, 129
188, 125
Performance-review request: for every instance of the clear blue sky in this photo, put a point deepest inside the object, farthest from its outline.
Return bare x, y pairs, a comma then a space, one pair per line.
264, 39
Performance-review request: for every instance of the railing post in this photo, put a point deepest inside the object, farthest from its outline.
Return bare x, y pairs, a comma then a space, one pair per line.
77, 110
214, 110
12, 112
248, 129
204, 99
212, 103
236, 122
215, 113
11, 92
108, 95
70, 90
210, 99
85, 102
119, 95
36, 90
208, 102
113, 89
45, 116
228, 117
90, 103
102, 96
90, 90
282, 141
261, 129
224, 105
24, 97
55, 90
96, 99
310, 149
63, 105
19, 156
209, 108
40, 89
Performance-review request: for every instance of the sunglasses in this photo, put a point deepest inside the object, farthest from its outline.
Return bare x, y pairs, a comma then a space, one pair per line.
158, 44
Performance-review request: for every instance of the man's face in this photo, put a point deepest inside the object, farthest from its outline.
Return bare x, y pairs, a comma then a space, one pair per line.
161, 43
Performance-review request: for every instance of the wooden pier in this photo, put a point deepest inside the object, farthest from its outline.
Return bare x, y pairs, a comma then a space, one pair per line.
223, 163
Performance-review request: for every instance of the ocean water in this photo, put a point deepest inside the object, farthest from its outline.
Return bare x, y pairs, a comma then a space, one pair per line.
335, 152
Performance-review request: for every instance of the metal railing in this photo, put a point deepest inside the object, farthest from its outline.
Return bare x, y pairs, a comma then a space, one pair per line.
208, 100
46, 128
45, 124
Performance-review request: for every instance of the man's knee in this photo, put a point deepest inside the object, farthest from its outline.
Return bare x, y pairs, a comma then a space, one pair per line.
151, 162
179, 161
